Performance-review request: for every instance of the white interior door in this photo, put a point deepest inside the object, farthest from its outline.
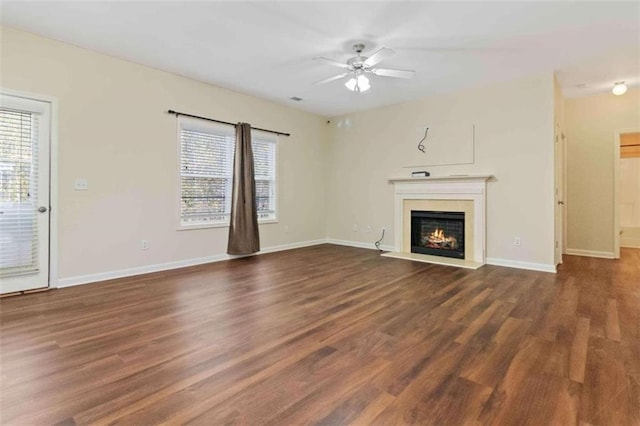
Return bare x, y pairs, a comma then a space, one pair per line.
24, 193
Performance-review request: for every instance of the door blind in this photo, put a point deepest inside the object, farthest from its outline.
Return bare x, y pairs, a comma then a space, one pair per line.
18, 198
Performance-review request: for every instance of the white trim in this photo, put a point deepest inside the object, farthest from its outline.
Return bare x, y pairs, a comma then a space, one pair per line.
53, 174
122, 273
468, 178
358, 244
592, 253
201, 225
291, 246
53, 193
616, 197
489, 261
629, 242
565, 194
94, 278
542, 267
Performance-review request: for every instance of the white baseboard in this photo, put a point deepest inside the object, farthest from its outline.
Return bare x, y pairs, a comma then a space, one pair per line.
629, 242
102, 276
591, 253
542, 267
359, 244
122, 273
490, 261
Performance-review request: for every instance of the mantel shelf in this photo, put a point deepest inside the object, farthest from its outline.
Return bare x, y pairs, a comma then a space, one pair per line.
435, 178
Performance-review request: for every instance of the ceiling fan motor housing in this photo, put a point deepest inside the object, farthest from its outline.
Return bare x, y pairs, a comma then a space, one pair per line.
357, 62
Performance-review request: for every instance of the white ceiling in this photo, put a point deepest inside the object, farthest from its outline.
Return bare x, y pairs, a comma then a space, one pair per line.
267, 48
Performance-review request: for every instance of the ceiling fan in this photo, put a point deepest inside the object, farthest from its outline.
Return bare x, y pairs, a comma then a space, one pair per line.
360, 65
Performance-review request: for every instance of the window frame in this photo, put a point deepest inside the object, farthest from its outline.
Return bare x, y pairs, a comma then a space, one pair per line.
205, 126
270, 138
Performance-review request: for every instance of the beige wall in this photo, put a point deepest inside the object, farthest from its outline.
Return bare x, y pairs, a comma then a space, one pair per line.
113, 130
514, 142
591, 123
558, 104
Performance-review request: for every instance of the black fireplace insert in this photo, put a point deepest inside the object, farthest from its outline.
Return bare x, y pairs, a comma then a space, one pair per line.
437, 233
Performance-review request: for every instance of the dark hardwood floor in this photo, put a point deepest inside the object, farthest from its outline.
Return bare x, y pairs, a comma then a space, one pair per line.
330, 335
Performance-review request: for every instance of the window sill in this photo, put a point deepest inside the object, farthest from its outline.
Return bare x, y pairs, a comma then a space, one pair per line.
219, 225
202, 226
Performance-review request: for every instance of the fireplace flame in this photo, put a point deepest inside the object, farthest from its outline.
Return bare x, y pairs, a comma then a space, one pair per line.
439, 240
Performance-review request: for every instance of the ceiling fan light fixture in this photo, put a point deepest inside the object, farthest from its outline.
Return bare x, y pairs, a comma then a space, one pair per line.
358, 84
351, 84
619, 88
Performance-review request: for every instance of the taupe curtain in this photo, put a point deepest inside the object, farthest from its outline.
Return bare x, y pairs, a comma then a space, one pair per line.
243, 229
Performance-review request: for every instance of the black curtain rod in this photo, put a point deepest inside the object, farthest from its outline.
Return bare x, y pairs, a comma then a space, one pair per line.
225, 122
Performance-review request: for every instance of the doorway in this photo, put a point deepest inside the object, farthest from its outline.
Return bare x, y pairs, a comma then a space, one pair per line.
628, 183
25, 147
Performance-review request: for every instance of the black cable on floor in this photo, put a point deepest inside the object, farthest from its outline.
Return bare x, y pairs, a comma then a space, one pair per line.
377, 243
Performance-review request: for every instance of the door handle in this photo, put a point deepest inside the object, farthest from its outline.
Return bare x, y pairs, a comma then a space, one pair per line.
561, 202
42, 209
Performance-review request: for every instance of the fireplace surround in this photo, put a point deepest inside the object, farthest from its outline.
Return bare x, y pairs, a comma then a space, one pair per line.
462, 194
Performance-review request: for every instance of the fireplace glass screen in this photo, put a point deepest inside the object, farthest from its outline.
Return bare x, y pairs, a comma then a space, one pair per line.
437, 233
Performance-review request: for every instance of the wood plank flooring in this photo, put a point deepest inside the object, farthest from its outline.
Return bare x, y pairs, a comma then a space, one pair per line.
330, 335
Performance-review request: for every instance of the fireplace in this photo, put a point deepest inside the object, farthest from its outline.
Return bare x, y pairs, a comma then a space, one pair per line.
441, 194
437, 233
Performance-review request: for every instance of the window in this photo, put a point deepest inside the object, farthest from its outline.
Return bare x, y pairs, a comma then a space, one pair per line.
206, 173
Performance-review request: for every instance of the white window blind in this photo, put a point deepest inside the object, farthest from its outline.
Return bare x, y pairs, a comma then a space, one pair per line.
264, 164
206, 174
18, 198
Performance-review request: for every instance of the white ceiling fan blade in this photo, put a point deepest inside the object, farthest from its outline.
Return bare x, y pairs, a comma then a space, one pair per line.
379, 56
330, 79
387, 72
332, 62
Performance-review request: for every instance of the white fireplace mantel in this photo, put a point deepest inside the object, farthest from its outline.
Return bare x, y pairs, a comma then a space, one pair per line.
454, 188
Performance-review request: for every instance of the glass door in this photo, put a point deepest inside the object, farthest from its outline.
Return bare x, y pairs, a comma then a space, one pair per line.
24, 193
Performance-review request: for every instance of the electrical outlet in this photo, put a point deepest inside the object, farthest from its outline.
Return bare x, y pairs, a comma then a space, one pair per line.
368, 228
355, 227
81, 184
286, 229
517, 242
144, 245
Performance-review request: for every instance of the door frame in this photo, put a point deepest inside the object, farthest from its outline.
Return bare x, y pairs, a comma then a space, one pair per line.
560, 193
565, 233
616, 188
53, 176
